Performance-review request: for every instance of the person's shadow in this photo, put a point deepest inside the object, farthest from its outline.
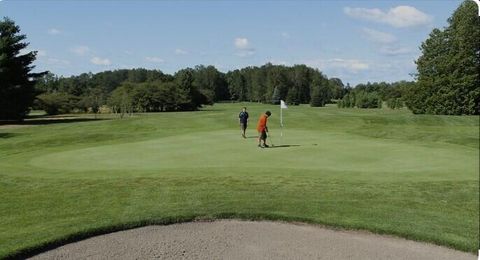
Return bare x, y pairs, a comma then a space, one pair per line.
6, 135
284, 145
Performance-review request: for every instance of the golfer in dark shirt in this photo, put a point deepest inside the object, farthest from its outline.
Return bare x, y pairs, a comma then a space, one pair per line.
243, 119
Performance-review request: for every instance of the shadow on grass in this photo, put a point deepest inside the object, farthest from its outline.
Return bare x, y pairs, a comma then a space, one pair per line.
50, 120
6, 135
284, 146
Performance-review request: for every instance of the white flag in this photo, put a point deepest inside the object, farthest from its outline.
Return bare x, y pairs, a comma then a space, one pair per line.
282, 104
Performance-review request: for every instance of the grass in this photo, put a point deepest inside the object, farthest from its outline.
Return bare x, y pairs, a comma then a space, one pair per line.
389, 172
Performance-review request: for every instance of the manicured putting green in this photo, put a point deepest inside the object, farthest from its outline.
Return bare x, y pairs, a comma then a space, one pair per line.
310, 150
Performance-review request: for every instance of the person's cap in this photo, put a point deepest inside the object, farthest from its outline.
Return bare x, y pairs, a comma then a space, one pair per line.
268, 113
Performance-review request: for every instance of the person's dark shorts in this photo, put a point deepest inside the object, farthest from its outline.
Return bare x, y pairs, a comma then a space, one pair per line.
263, 135
243, 126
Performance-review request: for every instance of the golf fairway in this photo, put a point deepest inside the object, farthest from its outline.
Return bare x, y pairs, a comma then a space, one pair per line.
379, 170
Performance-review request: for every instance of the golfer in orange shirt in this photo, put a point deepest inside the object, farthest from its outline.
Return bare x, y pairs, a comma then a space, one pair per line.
263, 129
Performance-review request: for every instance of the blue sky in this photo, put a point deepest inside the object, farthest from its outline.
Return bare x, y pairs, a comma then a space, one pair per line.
357, 41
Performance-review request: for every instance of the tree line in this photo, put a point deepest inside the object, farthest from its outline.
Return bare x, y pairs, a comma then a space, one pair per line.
374, 95
126, 91
142, 90
447, 82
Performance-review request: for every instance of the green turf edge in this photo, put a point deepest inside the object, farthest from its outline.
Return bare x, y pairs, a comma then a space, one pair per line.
75, 237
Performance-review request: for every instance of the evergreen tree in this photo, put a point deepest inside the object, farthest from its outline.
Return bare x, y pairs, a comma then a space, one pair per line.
17, 82
449, 67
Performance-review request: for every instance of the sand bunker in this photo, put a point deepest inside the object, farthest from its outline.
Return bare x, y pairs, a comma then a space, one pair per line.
233, 239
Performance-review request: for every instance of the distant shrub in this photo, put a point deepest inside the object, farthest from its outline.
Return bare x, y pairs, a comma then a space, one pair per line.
395, 103
57, 103
360, 99
368, 100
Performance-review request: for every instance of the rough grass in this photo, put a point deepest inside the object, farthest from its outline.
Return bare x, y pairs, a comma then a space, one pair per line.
379, 170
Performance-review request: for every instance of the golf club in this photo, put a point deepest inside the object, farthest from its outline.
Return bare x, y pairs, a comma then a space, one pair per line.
271, 140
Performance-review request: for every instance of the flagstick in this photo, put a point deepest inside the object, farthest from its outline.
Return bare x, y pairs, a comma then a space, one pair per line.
281, 124
282, 106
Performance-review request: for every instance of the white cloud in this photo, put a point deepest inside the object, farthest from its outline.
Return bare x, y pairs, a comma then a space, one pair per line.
351, 65
388, 42
244, 48
393, 69
181, 52
53, 31
285, 35
154, 59
400, 16
58, 62
242, 43
81, 50
348, 65
100, 61
245, 53
379, 37
393, 51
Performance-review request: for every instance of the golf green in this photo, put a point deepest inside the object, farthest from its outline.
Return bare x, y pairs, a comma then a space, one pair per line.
386, 171
308, 150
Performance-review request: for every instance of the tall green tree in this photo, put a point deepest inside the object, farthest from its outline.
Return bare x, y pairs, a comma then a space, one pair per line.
322, 91
277, 83
259, 85
92, 101
237, 85
449, 67
192, 96
184, 80
121, 100
338, 87
17, 91
299, 92
47, 83
209, 81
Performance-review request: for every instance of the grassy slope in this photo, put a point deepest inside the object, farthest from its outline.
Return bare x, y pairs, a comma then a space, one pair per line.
380, 170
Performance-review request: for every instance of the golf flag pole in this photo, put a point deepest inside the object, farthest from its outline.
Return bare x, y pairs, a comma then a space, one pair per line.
282, 106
